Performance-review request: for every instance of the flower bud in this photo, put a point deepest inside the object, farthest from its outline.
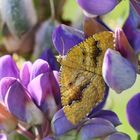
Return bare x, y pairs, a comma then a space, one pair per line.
96, 128
65, 37
19, 15
118, 136
133, 112
25, 73
19, 103
8, 67
97, 7
57, 121
118, 72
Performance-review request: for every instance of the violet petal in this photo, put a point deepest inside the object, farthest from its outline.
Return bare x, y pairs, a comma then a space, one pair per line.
5, 84
38, 67
123, 46
118, 72
54, 79
136, 5
48, 55
60, 124
8, 67
99, 7
19, 104
133, 112
65, 37
96, 128
131, 28
25, 73
3, 137
118, 136
39, 87
108, 115
41, 91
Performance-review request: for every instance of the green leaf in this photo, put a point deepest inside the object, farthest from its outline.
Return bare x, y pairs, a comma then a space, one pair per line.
16, 136
19, 15
20, 137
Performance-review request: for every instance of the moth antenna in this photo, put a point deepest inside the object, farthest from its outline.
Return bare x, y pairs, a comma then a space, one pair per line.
62, 46
61, 57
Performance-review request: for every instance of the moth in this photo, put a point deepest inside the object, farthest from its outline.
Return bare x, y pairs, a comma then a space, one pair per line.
81, 83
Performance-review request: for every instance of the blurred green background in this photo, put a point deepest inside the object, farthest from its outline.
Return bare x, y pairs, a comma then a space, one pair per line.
116, 102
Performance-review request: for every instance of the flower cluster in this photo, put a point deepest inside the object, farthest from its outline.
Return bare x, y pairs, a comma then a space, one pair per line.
99, 125
117, 63
30, 102
120, 66
30, 96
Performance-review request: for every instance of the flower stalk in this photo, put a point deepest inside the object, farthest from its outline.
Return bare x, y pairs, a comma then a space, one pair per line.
52, 9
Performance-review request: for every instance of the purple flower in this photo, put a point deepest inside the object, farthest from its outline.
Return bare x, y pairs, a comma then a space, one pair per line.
3, 137
136, 5
117, 63
116, 66
25, 108
120, 65
108, 115
100, 7
131, 29
133, 112
65, 37
118, 72
99, 125
25, 73
123, 46
57, 121
30, 90
11, 70
96, 128
48, 55
118, 136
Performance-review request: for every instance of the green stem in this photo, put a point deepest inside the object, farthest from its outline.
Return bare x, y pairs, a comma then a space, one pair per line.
52, 9
138, 137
